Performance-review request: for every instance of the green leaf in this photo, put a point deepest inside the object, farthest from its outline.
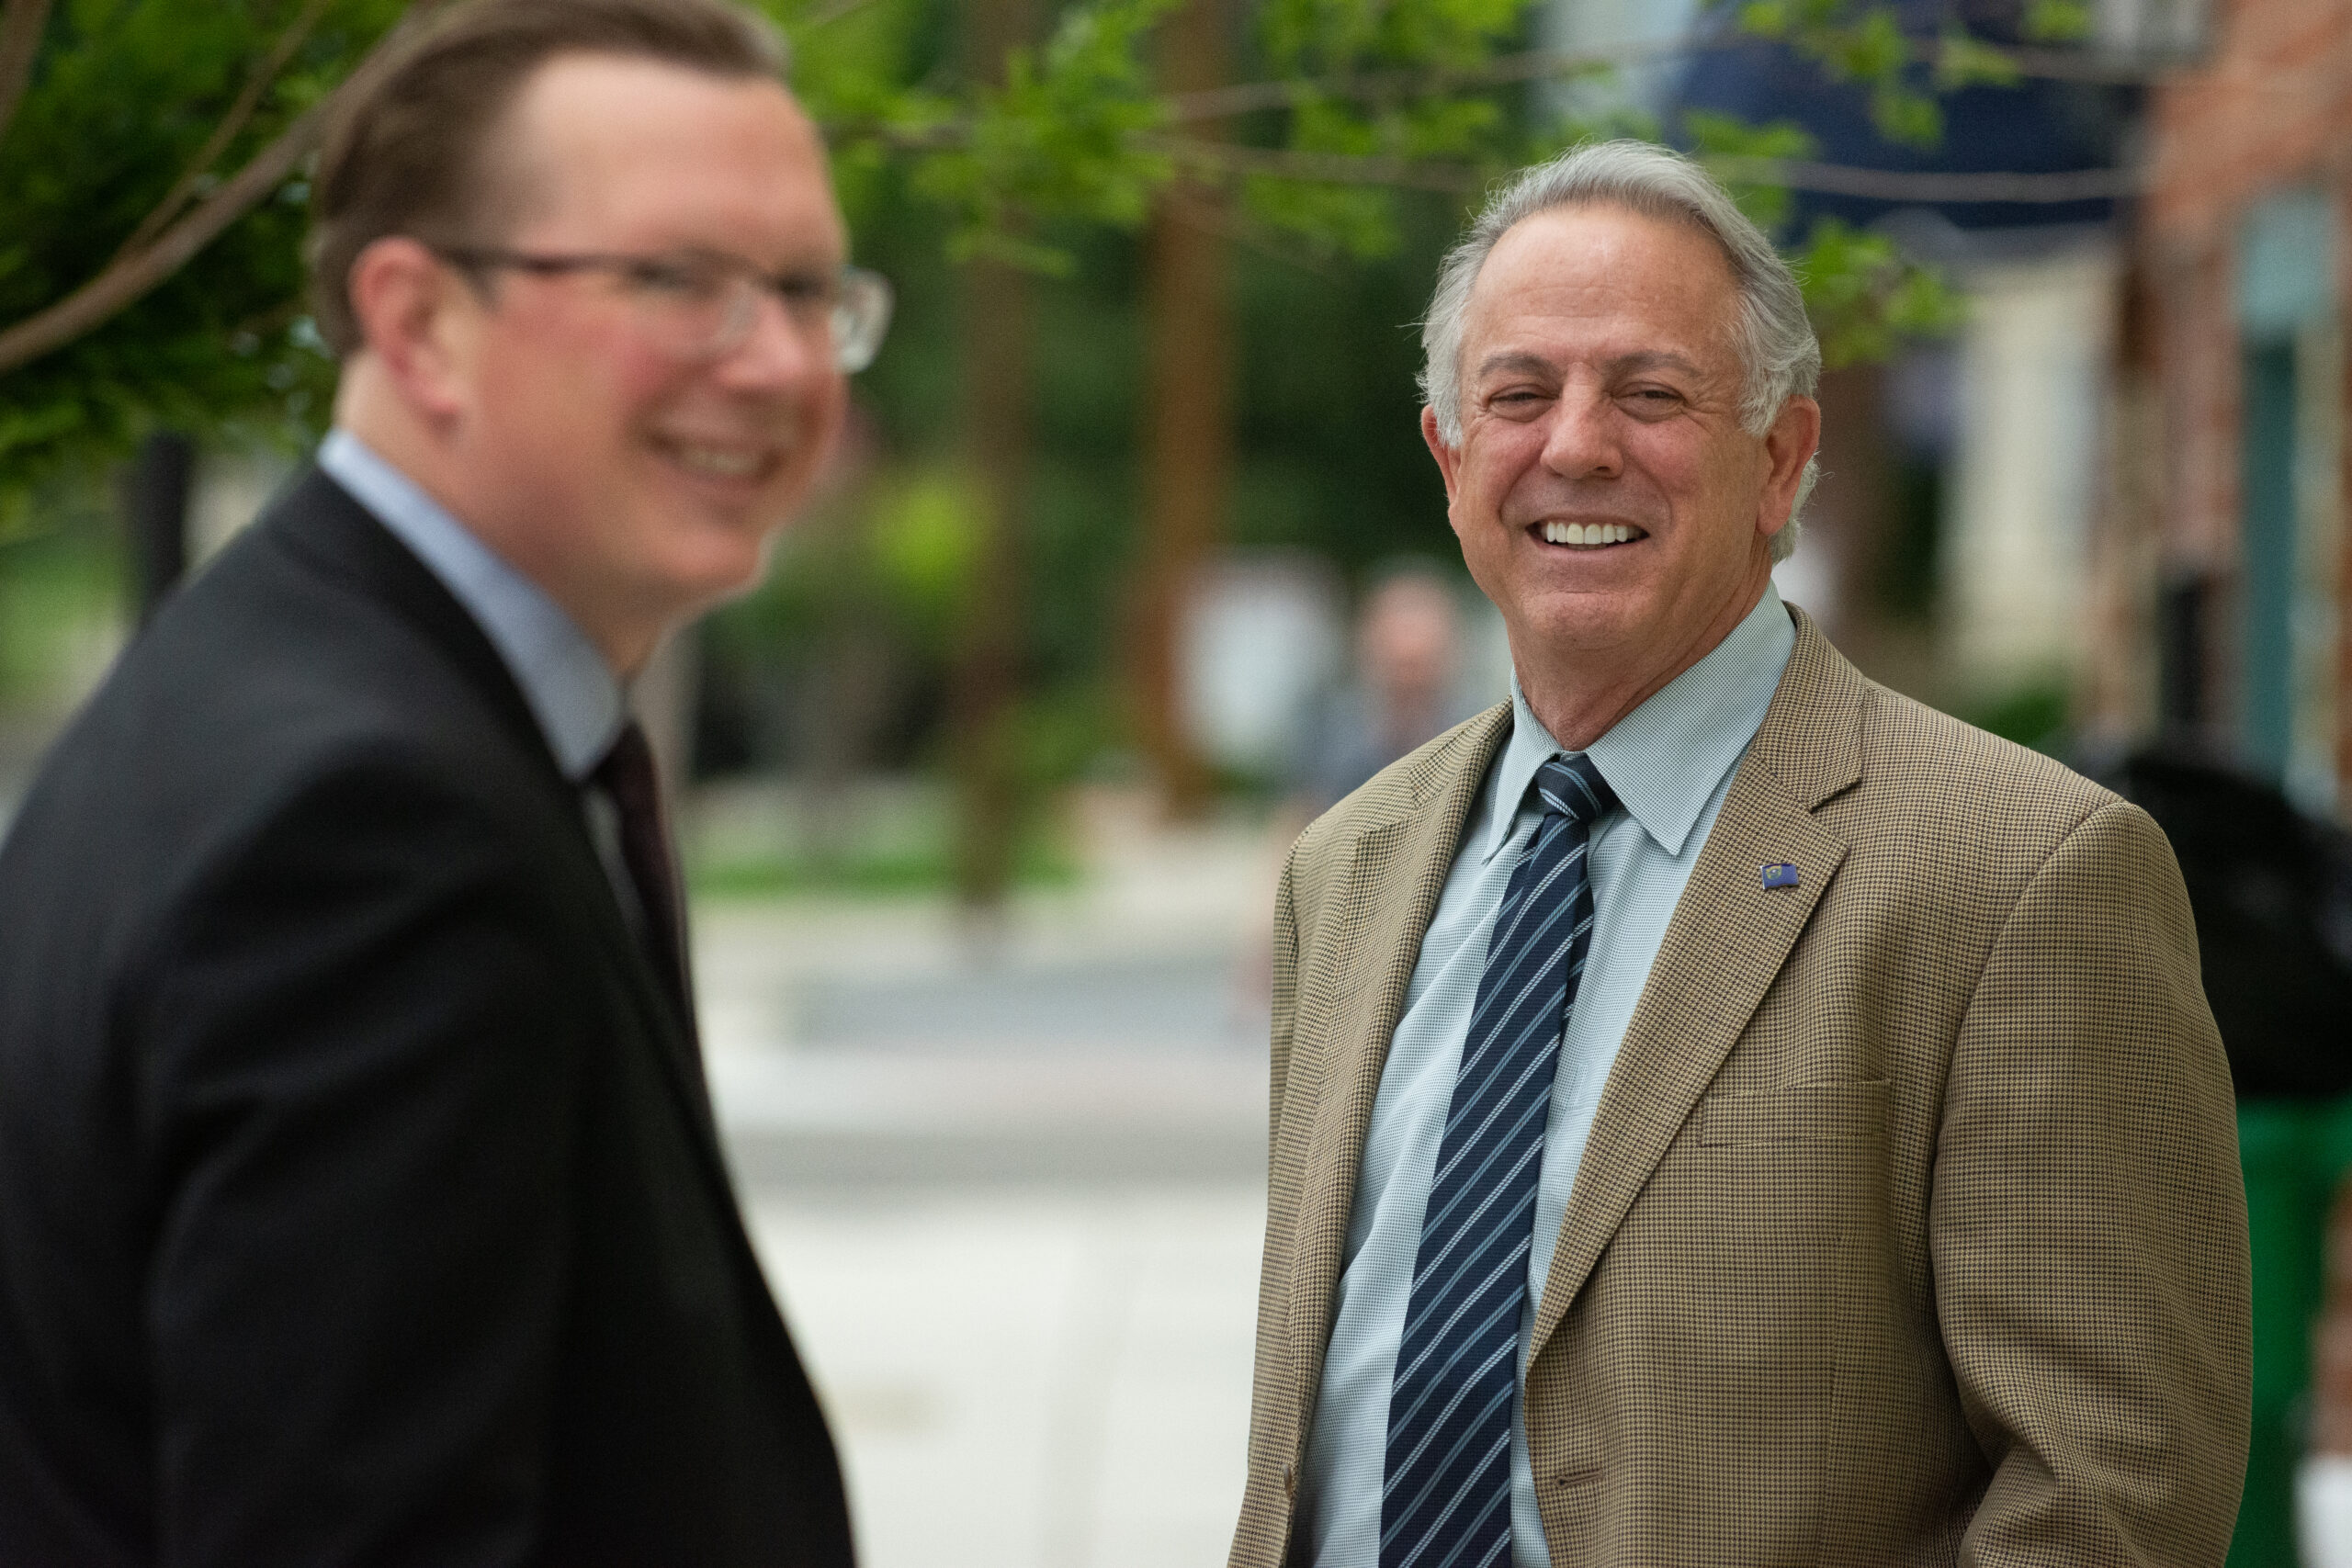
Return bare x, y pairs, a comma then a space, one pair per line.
1862, 42
2057, 21
1866, 298
1904, 117
1965, 61
123, 95
1056, 141
1718, 137
926, 546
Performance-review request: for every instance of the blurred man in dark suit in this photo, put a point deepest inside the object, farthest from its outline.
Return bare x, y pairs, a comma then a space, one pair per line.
359, 1195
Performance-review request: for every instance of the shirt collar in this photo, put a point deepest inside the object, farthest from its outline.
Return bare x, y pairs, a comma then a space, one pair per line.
1665, 758
571, 690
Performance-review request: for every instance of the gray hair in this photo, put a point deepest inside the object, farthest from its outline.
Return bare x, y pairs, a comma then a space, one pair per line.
1778, 352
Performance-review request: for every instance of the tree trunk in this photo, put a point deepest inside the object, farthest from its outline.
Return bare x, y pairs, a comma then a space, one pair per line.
985, 687
1187, 439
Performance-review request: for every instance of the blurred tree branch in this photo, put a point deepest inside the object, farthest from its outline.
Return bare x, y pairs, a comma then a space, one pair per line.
257, 82
1947, 56
1211, 158
135, 271
1214, 159
1930, 186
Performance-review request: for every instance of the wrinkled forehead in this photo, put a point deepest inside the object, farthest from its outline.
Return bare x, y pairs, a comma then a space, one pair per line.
1659, 280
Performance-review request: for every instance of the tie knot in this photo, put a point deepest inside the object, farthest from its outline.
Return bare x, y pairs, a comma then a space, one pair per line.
1572, 787
627, 772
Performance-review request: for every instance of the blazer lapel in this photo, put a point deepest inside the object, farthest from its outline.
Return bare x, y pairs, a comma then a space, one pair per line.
322, 523
1729, 939
1389, 896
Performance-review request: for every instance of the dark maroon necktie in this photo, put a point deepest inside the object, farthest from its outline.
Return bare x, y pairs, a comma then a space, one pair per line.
626, 774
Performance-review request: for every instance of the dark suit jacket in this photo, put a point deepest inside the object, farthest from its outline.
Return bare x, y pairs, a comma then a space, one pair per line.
359, 1198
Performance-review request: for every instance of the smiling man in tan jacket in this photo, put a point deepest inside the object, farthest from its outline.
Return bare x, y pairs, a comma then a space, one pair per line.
1724, 1112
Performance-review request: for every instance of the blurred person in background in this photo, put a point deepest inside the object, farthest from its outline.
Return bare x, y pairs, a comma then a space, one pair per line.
359, 1194
1403, 692
1722, 1110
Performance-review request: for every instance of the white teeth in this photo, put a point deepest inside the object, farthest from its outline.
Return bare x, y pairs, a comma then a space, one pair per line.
724, 464
1587, 534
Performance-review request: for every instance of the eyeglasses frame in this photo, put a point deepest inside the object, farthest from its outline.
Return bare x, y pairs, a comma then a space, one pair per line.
859, 311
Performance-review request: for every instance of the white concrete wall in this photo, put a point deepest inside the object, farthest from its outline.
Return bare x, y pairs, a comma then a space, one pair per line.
1265, 632
2033, 361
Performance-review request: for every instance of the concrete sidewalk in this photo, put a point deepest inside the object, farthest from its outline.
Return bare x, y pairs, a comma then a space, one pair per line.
1011, 1195
1029, 1378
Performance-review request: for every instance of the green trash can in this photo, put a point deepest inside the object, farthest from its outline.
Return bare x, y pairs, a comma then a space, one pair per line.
2293, 1153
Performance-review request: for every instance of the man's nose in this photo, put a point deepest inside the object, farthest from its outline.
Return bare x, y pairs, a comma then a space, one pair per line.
1582, 439
780, 349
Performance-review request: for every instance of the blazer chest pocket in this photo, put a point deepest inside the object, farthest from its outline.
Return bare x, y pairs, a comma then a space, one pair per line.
1756, 1195
1842, 1114
1790, 1165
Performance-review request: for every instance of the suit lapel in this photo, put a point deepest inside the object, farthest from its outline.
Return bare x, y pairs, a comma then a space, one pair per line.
1394, 876
321, 524
1726, 943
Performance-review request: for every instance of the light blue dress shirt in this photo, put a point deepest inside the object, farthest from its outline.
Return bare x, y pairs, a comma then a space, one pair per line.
1670, 762
571, 690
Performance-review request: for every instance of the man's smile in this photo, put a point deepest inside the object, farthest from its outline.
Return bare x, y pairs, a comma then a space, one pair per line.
1587, 536
744, 462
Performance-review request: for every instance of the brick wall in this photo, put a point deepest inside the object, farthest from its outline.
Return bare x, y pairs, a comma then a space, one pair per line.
2268, 109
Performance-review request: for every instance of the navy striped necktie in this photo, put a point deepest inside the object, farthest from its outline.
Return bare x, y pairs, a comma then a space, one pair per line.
1445, 1500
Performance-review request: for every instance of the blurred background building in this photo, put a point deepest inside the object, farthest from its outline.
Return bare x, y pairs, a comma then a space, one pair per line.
2228, 463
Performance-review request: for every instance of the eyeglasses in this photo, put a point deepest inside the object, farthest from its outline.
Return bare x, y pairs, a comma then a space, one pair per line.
703, 304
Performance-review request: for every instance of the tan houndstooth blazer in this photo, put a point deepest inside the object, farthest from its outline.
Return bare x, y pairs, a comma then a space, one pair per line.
1910, 1230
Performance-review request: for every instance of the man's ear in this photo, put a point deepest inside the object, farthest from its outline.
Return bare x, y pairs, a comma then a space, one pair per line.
415, 314
1449, 460
1789, 446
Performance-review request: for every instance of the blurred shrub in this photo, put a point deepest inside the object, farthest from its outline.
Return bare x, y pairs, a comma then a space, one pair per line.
885, 840
2032, 714
62, 594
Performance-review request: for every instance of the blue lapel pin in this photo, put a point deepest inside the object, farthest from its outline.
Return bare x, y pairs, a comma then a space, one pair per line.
1782, 876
